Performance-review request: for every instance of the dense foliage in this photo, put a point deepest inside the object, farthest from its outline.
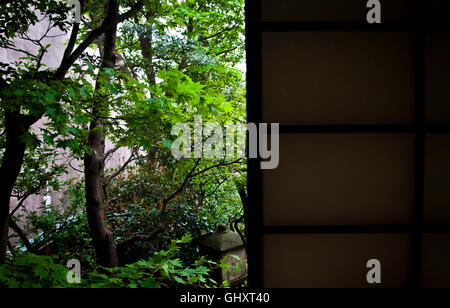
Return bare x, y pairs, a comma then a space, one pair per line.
162, 269
130, 71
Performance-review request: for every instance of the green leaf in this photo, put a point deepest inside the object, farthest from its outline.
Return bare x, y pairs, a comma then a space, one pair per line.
167, 144
193, 280
236, 258
50, 97
110, 72
85, 92
113, 89
179, 280
50, 111
150, 283
71, 93
90, 66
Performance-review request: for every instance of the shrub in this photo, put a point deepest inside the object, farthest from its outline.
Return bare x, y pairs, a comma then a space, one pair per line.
62, 230
163, 269
33, 271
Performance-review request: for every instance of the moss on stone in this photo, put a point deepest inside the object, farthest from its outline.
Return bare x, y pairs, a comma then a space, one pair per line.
221, 242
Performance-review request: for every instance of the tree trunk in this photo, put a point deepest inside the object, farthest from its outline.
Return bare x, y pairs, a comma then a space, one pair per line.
94, 163
14, 226
243, 195
9, 171
146, 41
96, 197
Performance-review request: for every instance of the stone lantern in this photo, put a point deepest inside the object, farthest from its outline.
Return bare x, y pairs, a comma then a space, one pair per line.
221, 243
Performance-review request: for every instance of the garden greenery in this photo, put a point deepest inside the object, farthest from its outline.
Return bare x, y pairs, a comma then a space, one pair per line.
129, 71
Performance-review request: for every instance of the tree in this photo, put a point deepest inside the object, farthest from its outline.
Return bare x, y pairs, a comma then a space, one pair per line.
177, 98
169, 62
22, 106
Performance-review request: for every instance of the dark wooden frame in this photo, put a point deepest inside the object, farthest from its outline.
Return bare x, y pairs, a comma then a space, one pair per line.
418, 27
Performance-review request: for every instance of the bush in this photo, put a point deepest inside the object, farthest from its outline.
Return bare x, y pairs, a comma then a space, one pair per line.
199, 209
163, 269
33, 271
62, 230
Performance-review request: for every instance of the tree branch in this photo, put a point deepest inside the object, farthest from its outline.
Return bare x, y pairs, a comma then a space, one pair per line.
189, 177
87, 24
74, 35
11, 248
216, 189
218, 33
121, 169
226, 51
108, 23
110, 152
23, 51
140, 238
23, 199
13, 225
72, 40
218, 165
185, 182
236, 227
76, 169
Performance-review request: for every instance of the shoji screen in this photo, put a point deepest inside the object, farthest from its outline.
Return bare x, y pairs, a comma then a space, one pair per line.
364, 147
